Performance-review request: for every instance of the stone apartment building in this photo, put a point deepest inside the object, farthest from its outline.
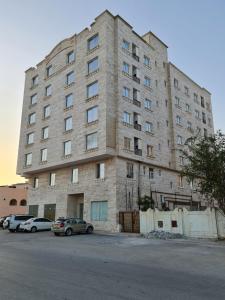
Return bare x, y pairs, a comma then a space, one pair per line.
105, 117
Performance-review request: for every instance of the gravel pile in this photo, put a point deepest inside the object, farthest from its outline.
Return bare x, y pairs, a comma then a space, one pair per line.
163, 235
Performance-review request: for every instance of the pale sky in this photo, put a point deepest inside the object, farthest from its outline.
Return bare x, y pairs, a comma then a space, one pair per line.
29, 29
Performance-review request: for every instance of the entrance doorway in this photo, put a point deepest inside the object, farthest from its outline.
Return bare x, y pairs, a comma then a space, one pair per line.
75, 205
49, 211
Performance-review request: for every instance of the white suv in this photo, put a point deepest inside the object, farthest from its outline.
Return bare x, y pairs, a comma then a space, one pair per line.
12, 223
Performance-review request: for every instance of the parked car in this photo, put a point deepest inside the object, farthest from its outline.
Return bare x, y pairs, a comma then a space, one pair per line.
36, 224
12, 223
2, 219
68, 226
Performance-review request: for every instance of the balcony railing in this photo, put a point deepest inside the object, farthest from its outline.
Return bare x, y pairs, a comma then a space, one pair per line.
135, 78
136, 102
138, 151
137, 126
135, 56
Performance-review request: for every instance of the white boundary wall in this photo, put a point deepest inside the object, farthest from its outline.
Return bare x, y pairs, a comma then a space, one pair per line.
209, 223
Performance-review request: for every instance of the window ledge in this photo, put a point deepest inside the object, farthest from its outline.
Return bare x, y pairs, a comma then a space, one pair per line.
91, 150
148, 88
44, 140
92, 73
150, 156
43, 119
126, 51
69, 85
100, 179
30, 125
178, 106
92, 50
32, 105
149, 133
127, 99
47, 97
179, 125
126, 74
29, 145
67, 131
43, 162
148, 67
149, 109
27, 167
180, 187
127, 124
68, 108
92, 123
33, 86
66, 156
91, 98
128, 150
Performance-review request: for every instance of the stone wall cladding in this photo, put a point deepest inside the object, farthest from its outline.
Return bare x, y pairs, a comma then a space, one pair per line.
117, 189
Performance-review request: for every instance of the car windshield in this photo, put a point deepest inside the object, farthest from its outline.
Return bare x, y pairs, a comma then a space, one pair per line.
61, 220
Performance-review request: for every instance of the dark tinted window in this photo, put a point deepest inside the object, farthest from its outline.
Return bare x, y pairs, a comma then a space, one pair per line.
23, 218
46, 220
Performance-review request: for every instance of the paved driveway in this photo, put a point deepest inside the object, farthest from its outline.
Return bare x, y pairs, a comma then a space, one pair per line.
42, 266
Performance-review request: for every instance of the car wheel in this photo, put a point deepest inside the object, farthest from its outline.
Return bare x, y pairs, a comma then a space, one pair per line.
68, 232
33, 229
17, 228
56, 233
89, 230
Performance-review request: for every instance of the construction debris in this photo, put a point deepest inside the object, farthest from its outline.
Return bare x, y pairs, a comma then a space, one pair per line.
163, 235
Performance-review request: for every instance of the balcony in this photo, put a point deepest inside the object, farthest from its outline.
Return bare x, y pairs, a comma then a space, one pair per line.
134, 55
137, 151
135, 78
137, 126
136, 102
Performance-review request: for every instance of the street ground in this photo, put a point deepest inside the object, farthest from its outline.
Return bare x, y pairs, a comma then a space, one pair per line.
42, 266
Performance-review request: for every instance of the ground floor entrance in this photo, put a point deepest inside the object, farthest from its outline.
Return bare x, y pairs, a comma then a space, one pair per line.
75, 205
129, 221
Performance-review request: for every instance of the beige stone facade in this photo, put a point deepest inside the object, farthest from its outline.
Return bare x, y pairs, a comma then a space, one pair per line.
104, 123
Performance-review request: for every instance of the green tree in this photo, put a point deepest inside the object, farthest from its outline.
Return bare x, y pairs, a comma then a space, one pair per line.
206, 165
145, 203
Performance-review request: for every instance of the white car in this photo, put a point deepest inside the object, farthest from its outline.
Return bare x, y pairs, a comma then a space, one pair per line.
35, 224
12, 222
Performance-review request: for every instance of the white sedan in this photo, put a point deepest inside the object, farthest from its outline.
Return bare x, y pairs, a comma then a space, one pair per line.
35, 224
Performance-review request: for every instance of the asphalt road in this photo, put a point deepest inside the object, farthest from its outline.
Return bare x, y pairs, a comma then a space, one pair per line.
42, 266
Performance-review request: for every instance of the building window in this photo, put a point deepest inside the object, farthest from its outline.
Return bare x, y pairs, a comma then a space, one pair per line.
130, 170
35, 182
179, 140
135, 52
126, 68
47, 111
180, 181
49, 71
150, 151
126, 117
146, 61
68, 123
197, 114
92, 114
74, 178
147, 81
177, 102
70, 78
52, 179
69, 100
127, 142
148, 104
125, 45
28, 159
126, 92
151, 173
186, 91
32, 118
189, 125
181, 160
195, 98
35, 80
70, 57
67, 148
91, 141
44, 153
188, 108
93, 65
178, 120
33, 99
30, 138
100, 170
48, 90
205, 132
202, 102
99, 210
176, 83
23, 202
13, 202
45, 131
203, 118
92, 89
93, 42
149, 127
